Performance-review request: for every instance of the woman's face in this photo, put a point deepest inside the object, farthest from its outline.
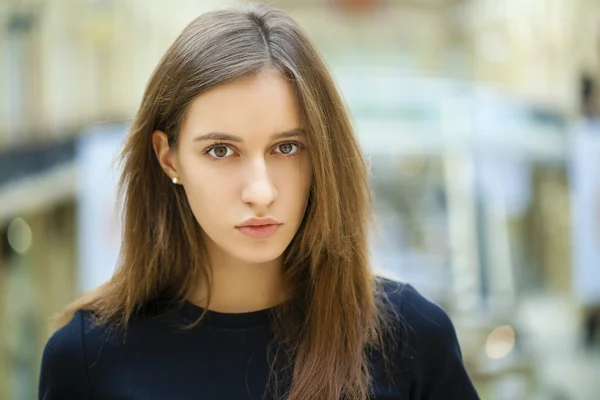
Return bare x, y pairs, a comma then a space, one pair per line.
243, 164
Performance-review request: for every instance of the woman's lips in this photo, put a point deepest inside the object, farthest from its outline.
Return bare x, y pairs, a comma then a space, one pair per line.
259, 231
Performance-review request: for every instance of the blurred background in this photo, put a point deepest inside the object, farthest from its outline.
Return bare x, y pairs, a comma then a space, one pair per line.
479, 119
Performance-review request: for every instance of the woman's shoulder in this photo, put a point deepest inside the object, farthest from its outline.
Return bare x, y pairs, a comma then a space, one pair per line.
69, 341
63, 368
430, 350
415, 311
66, 341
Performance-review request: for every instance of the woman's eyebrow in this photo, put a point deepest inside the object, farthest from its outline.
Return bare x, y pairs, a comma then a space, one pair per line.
291, 133
232, 138
218, 136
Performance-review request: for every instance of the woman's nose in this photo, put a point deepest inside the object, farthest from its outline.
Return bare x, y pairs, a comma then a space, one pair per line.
259, 190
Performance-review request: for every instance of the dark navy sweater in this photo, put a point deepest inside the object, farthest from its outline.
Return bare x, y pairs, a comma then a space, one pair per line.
225, 357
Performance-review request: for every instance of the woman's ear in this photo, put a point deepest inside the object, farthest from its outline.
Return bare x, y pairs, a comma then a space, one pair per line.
166, 156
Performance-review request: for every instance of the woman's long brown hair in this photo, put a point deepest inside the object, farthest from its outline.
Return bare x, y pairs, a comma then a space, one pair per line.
336, 316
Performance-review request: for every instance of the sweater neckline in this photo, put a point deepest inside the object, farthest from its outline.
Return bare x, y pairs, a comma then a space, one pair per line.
244, 320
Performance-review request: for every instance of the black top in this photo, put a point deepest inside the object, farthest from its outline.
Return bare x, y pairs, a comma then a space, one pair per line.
225, 357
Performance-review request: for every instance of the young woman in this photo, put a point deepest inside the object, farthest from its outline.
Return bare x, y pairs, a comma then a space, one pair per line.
244, 271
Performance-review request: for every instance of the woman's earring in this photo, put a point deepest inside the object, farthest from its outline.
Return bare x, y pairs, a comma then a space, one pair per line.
175, 180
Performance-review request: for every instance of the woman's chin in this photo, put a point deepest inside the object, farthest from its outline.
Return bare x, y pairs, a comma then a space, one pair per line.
259, 256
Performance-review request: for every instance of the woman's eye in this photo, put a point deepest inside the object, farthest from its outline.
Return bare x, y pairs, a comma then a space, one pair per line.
220, 152
287, 148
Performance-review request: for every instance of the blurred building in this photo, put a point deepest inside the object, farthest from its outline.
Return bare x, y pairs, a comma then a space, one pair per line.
474, 98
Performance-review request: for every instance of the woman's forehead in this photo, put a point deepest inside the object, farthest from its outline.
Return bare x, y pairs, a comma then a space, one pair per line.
264, 103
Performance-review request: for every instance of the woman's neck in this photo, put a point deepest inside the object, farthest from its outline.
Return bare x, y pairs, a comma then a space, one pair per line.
239, 287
